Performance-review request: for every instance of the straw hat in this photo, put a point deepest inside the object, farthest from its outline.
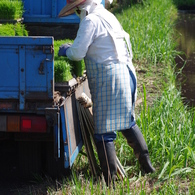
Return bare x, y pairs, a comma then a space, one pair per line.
69, 7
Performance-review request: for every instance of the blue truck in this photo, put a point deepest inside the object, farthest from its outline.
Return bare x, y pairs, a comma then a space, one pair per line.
41, 18
39, 126
46, 12
37, 116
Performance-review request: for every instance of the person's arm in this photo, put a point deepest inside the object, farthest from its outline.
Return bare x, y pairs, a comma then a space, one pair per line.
85, 37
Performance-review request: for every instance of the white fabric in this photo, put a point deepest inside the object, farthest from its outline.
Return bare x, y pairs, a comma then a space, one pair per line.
115, 36
94, 40
110, 1
87, 7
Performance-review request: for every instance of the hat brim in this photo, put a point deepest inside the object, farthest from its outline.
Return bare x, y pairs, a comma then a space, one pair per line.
69, 8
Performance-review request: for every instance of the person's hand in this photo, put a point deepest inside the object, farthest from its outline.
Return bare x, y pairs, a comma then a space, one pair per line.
63, 48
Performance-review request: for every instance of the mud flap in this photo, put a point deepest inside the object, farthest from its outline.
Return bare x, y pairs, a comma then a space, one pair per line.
71, 133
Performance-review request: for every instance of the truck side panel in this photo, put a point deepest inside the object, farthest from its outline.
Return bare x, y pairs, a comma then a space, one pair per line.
27, 69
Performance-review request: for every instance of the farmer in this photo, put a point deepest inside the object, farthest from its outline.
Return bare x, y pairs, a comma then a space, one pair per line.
106, 49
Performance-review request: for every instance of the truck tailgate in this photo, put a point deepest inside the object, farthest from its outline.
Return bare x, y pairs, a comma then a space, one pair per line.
27, 69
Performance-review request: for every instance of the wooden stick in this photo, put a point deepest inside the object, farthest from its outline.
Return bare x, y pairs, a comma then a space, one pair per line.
87, 121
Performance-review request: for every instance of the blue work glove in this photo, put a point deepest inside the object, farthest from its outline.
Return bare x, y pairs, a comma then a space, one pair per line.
63, 48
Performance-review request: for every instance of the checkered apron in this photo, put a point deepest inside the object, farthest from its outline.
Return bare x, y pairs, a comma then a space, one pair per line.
111, 95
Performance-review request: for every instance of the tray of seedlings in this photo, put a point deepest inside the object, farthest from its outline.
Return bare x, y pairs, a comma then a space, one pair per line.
11, 11
11, 18
68, 74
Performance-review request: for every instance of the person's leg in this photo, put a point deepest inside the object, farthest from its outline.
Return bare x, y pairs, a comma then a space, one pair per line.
134, 136
136, 140
107, 156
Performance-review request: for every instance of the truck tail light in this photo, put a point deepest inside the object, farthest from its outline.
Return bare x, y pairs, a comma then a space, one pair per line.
26, 124
13, 123
6, 105
33, 124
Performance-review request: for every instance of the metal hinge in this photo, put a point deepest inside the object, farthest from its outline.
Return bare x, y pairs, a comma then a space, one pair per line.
48, 49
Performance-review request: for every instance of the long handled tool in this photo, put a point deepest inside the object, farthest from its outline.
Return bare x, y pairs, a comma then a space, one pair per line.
87, 128
87, 141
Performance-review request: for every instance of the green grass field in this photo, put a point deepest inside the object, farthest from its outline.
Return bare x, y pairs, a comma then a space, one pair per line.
167, 125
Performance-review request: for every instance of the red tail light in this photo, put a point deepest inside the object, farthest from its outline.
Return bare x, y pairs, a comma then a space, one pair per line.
33, 124
26, 124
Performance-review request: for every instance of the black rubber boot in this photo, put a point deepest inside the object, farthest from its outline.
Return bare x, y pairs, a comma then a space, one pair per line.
136, 140
108, 163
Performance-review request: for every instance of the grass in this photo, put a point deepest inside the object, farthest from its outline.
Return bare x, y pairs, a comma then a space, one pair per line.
62, 71
167, 124
62, 66
150, 31
11, 9
65, 69
13, 30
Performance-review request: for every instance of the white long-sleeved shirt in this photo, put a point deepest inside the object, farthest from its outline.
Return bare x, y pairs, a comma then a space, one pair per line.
94, 41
